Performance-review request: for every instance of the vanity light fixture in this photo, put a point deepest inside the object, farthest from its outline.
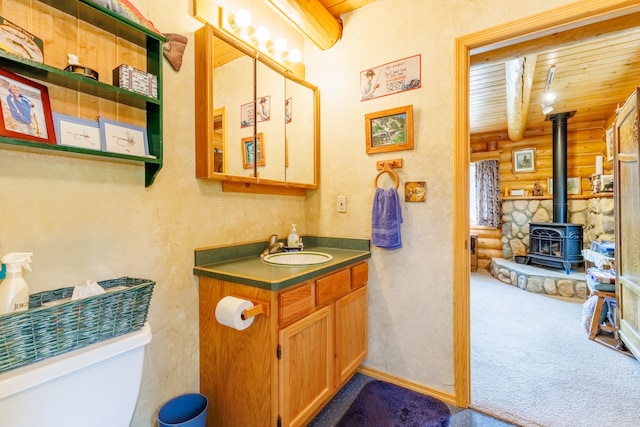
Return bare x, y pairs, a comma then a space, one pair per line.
239, 25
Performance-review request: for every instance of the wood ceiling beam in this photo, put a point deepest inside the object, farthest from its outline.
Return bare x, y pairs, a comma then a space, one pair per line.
519, 80
312, 19
586, 34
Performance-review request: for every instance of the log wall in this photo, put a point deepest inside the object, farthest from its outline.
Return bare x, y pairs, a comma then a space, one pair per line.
585, 141
489, 245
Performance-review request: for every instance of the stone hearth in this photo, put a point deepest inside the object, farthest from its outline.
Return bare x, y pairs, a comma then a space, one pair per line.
540, 280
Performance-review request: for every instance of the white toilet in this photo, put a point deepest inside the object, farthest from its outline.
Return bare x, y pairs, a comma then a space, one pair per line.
95, 386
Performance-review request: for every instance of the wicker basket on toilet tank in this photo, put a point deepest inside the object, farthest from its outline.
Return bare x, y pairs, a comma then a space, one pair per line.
45, 331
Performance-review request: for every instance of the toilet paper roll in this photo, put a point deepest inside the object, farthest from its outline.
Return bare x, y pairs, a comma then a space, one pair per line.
229, 312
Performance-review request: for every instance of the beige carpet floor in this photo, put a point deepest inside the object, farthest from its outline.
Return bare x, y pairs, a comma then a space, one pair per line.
532, 364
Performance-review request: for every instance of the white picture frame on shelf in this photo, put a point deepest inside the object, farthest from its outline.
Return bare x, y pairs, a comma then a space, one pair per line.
123, 138
76, 132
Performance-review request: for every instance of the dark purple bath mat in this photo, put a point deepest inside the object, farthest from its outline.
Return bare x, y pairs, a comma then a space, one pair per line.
382, 404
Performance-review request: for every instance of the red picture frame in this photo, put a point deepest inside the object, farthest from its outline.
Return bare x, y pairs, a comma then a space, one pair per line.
25, 110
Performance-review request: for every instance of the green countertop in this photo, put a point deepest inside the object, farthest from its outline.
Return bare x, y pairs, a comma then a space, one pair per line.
252, 270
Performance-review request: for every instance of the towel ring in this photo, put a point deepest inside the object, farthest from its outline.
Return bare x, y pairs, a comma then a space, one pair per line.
387, 169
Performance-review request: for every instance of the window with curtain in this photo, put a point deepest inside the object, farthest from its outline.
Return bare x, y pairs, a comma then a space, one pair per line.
485, 201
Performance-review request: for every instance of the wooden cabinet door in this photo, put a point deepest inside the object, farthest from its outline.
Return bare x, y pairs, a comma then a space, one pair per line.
306, 366
351, 333
627, 178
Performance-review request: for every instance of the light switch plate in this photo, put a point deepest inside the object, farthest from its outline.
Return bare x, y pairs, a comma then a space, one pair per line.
341, 205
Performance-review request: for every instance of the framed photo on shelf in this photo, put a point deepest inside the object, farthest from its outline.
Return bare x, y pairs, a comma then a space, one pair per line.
524, 160
574, 185
389, 130
606, 183
249, 150
77, 132
25, 111
123, 138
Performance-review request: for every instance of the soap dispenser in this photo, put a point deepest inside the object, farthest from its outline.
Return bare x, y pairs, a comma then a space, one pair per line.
293, 241
14, 291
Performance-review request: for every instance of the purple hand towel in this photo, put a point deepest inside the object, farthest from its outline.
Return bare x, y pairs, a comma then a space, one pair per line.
386, 218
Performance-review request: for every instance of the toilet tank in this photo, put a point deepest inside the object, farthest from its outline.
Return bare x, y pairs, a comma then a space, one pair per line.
96, 386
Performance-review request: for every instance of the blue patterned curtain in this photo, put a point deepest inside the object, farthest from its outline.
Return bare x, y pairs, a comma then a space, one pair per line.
488, 193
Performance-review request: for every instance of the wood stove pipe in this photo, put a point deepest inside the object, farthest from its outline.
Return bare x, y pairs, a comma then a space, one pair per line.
560, 202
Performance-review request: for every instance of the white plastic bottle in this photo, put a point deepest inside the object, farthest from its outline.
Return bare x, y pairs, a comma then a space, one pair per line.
293, 241
14, 290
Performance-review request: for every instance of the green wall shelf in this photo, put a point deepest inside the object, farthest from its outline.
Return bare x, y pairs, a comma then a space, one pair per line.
124, 29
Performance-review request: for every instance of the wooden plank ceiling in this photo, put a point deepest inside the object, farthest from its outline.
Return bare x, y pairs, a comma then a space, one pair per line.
596, 69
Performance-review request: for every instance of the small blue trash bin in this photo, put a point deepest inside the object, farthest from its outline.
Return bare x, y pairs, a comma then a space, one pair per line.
188, 410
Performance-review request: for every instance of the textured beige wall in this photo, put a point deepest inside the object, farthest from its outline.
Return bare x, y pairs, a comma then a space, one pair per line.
93, 219
410, 289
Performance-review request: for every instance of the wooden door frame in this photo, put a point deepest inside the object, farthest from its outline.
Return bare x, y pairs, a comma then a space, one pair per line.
570, 16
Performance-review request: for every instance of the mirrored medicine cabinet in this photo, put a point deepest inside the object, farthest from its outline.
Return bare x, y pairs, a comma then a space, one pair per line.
257, 127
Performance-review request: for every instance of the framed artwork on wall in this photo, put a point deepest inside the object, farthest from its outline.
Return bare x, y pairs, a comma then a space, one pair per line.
524, 160
574, 185
249, 150
389, 130
25, 111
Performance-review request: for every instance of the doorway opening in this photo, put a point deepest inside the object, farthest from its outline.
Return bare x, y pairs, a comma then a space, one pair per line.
576, 15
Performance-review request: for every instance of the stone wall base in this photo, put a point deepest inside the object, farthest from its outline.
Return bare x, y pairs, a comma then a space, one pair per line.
539, 280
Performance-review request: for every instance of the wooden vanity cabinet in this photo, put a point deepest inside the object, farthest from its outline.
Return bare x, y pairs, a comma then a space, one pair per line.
288, 364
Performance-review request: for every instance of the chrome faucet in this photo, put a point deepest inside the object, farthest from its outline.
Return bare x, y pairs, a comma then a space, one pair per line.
273, 246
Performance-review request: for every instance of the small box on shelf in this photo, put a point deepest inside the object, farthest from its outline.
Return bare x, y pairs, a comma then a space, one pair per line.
134, 80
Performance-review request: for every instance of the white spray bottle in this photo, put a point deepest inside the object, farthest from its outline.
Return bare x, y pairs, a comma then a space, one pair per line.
14, 291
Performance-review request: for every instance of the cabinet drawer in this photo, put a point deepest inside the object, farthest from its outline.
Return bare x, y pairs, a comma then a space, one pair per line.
295, 303
333, 286
359, 275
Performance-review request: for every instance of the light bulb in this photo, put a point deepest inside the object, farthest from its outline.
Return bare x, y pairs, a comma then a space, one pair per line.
262, 35
280, 45
242, 18
294, 56
546, 109
549, 97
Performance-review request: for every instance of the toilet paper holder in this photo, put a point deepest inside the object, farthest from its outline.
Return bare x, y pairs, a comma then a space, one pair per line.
257, 309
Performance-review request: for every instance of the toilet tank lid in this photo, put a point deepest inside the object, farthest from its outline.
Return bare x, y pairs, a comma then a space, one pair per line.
25, 377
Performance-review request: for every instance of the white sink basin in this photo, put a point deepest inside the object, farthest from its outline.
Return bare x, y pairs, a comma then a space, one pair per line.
298, 258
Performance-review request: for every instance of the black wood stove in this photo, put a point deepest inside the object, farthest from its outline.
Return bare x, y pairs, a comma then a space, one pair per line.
557, 244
